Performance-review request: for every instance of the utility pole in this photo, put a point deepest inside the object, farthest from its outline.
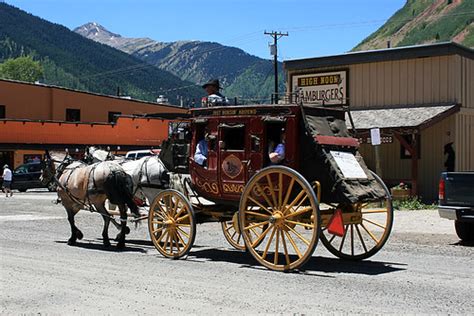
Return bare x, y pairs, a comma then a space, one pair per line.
274, 52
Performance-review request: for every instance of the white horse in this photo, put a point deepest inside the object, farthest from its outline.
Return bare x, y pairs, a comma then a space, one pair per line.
83, 186
149, 175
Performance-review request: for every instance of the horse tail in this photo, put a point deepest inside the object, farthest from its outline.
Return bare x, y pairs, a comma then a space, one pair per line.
118, 187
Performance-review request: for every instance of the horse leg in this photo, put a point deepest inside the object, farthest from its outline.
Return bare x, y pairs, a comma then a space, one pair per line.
105, 232
124, 230
75, 232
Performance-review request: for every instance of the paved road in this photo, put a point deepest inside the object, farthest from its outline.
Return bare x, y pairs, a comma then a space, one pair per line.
422, 269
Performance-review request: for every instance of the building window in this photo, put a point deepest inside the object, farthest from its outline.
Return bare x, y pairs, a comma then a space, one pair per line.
73, 115
404, 153
2, 111
113, 116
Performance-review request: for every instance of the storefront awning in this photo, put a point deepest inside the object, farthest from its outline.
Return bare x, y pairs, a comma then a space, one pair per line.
418, 117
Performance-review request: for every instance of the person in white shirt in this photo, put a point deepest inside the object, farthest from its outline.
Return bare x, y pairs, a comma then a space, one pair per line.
7, 180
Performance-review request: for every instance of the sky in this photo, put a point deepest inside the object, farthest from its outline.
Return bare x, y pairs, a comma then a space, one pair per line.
315, 28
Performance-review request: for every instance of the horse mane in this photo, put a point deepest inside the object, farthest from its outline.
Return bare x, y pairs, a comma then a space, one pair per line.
58, 155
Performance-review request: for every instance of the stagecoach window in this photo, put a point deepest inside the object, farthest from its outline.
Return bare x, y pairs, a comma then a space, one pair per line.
2, 111
233, 137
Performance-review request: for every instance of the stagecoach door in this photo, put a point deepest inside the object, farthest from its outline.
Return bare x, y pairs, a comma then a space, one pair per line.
232, 158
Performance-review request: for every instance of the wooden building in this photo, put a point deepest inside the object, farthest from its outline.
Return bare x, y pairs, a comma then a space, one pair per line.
35, 117
420, 98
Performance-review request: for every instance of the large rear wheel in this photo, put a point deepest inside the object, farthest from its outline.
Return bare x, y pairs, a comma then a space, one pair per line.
279, 218
172, 224
367, 226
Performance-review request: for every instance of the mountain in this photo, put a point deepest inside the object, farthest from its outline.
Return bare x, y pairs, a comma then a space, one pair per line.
425, 21
241, 74
72, 61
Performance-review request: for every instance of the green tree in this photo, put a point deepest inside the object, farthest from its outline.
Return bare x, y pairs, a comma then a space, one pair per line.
21, 68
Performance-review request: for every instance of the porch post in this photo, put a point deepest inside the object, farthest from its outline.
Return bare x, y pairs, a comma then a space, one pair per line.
412, 149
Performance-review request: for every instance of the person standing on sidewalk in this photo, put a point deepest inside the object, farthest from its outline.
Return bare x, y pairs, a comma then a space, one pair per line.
7, 180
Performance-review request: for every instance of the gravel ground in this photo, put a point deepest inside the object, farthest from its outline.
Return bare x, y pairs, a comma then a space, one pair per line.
422, 269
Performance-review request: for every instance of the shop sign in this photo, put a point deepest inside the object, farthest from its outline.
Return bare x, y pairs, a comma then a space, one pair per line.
328, 88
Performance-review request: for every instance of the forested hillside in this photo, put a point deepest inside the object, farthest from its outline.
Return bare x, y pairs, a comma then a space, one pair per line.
72, 61
425, 21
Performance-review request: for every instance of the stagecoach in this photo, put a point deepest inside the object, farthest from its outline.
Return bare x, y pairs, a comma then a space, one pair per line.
322, 190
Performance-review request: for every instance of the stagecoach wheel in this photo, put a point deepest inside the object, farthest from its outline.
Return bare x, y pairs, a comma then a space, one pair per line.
279, 218
232, 233
172, 224
367, 232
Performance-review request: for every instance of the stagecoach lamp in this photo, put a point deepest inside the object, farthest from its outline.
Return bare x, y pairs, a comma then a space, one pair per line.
77, 150
108, 148
118, 147
66, 150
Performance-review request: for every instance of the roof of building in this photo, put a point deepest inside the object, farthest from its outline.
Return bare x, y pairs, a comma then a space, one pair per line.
397, 53
419, 117
43, 85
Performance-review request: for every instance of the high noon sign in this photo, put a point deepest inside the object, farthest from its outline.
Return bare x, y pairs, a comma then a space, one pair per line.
328, 88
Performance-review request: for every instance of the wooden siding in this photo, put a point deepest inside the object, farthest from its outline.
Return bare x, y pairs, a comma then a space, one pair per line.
430, 80
464, 144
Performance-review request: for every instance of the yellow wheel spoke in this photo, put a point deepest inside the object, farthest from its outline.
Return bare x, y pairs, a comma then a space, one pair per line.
238, 238
343, 238
373, 211
360, 237
260, 238
183, 232
183, 225
288, 192
157, 230
297, 198
167, 241
256, 225
292, 242
177, 241
182, 218
157, 222
298, 235
283, 241
259, 204
270, 185
302, 211
264, 195
257, 214
301, 224
229, 227
370, 233
269, 242
352, 240
161, 237
374, 223
280, 188
183, 209
180, 239
275, 258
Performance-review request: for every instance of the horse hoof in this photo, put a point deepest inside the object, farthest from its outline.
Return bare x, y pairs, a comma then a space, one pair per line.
79, 235
121, 245
107, 243
71, 242
127, 230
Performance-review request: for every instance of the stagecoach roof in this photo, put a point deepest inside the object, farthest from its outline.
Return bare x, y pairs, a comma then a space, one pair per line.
419, 117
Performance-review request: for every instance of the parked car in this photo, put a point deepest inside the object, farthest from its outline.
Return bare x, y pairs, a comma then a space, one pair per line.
137, 154
27, 176
456, 202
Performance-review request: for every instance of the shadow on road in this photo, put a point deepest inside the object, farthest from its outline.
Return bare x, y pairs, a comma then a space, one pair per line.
98, 245
315, 264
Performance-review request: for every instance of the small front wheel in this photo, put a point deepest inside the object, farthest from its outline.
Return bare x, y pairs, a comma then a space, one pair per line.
172, 224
